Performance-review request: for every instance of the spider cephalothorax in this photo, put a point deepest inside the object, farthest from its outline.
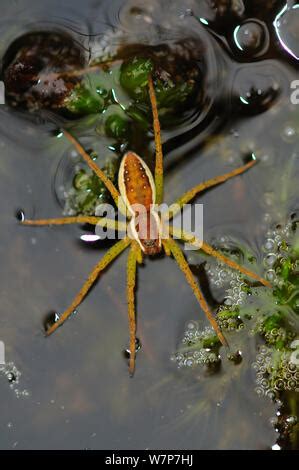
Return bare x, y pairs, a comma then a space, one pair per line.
137, 196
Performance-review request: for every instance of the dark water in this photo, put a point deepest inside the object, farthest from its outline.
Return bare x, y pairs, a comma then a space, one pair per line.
80, 394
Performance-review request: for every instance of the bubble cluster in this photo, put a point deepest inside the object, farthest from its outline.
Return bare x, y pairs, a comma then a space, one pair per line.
221, 276
274, 367
276, 249
199, 347
275, 374
229, 320
12, 375
274, 336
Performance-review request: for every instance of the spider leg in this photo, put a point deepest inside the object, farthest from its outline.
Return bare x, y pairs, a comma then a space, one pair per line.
158, 144
133, 259
90, 69
107, 182
189, 195
111, 254
188, 238
105, 222
79, 72
182, 263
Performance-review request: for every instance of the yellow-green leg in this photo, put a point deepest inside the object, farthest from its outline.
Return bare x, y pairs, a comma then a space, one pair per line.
182, 263
192, 240
216, 254
133, 258
158, 144
116, 250
80, 72
189, 195
104, 222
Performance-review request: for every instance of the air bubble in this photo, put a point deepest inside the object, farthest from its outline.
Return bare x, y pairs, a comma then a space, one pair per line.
127, 352
228, 301
256, 88
270, 260
279, 384
260, 358
291, 384
190, 362
292, 420
271, 275
289, 134
236, 357
192, 325
269, 244
259, 391
50, 319
251, 37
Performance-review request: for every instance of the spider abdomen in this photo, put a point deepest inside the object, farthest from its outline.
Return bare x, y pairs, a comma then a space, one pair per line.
137, 189
136, 183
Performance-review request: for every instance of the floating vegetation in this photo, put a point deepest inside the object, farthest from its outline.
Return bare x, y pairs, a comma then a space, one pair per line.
50, 71
36, 70
88, 191
199, 347
269, 316
173, 87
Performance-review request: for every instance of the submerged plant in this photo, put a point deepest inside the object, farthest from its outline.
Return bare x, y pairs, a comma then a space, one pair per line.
270, 316
87, 191
45, 70
49, 72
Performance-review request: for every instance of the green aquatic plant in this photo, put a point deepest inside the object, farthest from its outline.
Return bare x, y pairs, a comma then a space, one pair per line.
105, 97
50, 71
83, 100
119, 94
271, 317
171, 91
87, 191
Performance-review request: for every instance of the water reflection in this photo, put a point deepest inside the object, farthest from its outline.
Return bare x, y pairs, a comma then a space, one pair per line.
286, 26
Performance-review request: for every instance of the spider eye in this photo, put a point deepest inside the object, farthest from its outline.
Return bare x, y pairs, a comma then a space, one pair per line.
149, 243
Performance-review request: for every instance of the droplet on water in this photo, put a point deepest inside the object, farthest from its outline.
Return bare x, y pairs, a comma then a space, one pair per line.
289, 134
127, 352
20, 215
50, 319
251, 37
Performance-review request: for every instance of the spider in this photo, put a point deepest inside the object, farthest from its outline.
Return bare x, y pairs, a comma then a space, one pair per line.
137, 186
